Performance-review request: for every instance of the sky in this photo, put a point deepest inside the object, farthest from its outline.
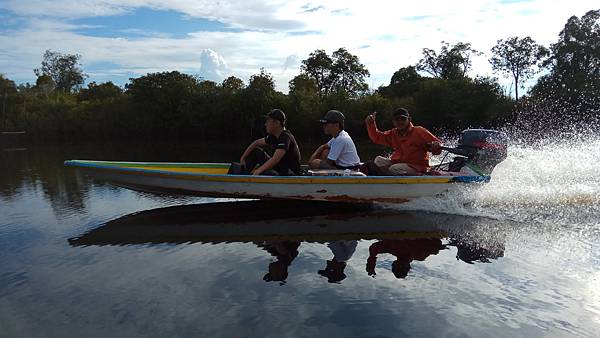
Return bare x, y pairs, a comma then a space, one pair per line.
121, 39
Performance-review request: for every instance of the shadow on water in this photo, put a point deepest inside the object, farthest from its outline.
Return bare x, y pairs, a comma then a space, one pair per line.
280, 227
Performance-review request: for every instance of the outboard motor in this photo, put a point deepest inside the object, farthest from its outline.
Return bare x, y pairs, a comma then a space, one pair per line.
480, 150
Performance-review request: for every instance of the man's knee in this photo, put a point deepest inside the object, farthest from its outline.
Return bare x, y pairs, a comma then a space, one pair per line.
314, 164
259, 155
326, 165
402, 169
381, 161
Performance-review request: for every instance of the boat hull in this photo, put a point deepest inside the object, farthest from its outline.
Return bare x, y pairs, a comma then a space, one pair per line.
212, 180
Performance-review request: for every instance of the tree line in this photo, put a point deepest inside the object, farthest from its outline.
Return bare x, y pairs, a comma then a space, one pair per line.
438, 90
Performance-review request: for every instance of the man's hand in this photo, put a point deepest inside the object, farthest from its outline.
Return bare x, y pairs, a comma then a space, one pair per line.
371, 118
434, 147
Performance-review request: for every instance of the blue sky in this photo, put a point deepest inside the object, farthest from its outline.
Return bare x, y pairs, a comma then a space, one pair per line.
146, 22
129, 38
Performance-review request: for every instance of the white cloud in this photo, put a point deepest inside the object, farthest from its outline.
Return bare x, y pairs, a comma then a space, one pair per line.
213, 66
292, 62
270, 34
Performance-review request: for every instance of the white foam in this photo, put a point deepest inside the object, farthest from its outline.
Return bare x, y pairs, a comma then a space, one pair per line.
547, 181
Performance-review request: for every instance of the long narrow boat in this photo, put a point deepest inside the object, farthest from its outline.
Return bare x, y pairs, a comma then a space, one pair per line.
478, 149
211, 179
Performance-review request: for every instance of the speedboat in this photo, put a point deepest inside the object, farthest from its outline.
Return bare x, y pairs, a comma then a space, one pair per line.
477, 153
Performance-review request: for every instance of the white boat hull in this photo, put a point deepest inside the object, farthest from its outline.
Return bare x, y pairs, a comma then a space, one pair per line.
386, 189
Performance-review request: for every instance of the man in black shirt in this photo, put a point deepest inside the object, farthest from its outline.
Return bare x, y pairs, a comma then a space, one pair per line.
286, 158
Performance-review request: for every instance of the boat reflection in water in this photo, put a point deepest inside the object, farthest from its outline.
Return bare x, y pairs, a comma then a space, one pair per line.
280, 227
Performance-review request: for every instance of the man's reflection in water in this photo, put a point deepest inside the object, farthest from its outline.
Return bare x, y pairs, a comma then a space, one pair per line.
342, 252
405, 250
470, 250
284, 252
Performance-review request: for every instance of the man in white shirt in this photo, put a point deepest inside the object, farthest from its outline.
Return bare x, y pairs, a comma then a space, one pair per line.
340, 152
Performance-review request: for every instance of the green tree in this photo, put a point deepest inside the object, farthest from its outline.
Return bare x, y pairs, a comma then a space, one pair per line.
45, 85
348, 74
257, 97
342, 72
64, 69
456, 104
304, 105
99, 92
162, 101
517, 57
404, 82
573, 82
232, 84
8, 92
303, 83
318, 67
451, 63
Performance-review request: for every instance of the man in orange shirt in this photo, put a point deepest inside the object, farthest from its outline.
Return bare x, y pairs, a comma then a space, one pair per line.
411, 145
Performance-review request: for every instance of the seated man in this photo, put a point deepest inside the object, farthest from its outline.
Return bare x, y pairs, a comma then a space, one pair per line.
286, 158
410, 144
339, 152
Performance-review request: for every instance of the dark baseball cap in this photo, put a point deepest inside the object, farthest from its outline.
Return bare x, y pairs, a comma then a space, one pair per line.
400, 112
276, 114
333, 116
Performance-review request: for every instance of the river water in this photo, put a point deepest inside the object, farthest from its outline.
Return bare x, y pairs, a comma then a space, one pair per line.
518, 257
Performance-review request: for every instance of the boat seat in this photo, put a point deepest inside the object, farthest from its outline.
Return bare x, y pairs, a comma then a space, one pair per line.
334, 172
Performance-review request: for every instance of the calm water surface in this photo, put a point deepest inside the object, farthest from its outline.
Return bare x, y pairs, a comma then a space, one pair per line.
519, 257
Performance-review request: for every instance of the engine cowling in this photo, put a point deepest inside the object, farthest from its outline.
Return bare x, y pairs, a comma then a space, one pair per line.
480, 149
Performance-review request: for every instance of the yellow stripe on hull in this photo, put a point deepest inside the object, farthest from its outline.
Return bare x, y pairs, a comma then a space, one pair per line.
213, 171
216, 177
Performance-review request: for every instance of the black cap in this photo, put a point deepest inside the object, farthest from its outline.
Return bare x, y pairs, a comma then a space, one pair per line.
332, 116
400, 112
277, 114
